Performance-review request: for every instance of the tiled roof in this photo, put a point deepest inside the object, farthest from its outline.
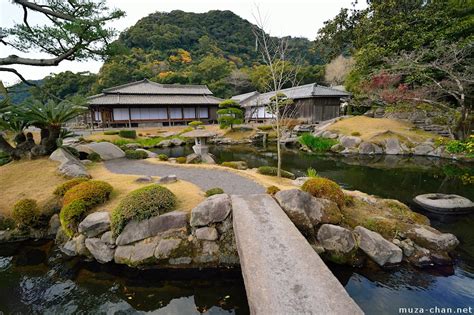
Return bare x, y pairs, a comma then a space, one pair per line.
244, 97
298, 92
148, 87
127, 99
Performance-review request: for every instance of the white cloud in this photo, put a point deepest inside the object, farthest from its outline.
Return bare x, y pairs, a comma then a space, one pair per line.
285, 17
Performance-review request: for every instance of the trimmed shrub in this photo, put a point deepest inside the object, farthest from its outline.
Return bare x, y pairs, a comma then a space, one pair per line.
25, 213
71, 215
141, 204
111, 132
92, 192
195, 124
64, 187
135, 155
272, 190
321, 187
162, 157
181, 160
6, 223
316, 144
94, 157
355, 134
129, 134
214, 191
273, 171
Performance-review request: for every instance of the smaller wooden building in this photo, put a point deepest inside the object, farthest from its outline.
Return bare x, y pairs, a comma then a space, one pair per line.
146, 102
312, 103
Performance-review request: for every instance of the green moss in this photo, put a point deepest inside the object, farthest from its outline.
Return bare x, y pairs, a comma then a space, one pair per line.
214, 191
273, 171
26, 213
321, 187
272, 190
94, 157
141, 204
136, 154
64, 187
181, 160
162, 157
71, 215
92, 192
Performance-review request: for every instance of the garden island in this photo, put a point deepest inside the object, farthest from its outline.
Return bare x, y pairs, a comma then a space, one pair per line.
210, 167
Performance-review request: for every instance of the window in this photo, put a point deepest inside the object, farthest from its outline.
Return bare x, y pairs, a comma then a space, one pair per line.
189, 112
203, 112
98, 116
120, 113
175, 113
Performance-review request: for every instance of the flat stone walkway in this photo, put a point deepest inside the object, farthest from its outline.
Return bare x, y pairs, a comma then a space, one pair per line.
282, 272
205, 179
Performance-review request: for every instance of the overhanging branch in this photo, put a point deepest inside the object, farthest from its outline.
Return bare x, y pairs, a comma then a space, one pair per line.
44, 10
18, 75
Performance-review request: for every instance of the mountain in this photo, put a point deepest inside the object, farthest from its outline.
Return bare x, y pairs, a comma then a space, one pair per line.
19, 92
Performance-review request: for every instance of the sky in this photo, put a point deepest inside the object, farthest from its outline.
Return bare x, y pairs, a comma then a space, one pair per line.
298, 18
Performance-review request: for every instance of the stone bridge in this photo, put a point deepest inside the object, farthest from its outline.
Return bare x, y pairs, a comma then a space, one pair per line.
282, 272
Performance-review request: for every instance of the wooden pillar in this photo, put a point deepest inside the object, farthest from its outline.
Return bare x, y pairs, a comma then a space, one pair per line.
129, 118
169, 116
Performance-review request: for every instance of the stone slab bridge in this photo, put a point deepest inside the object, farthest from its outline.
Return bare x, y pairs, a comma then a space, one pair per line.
282, 272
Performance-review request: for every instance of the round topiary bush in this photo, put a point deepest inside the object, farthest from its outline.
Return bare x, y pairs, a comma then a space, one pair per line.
61, 189
214, 191
25, 213
94, 157
92, 192
162, 157
195, 124
130, 134
135, 154
273, 171
321, 187
141, 204
272, 190
181, 160
71, 215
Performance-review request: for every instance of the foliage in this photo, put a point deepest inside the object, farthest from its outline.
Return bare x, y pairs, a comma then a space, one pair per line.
316, 144
320, 187
163, 157
265, 127
195, 124
230, 114
6, 223
338, 69
272, 190
273, 171
72, 150
214, 191
311, 172
142, 204
25, 213
235, 164
458, 146
129, 134
4, 158
71, 215
136, 154
91, 192
64, 187
181, 160
355, 134
111, 132
94, 157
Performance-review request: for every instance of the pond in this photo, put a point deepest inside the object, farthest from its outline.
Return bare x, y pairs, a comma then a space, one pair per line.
36, 280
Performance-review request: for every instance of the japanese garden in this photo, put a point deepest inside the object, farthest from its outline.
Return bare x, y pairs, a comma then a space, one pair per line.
212, 166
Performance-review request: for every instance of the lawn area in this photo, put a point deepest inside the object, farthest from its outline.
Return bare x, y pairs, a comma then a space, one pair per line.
373, 129
34, 179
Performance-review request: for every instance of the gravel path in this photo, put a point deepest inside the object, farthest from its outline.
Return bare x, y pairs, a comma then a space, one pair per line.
206, 179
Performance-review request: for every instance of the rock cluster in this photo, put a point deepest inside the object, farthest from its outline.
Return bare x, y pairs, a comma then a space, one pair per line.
167, 240
69, 166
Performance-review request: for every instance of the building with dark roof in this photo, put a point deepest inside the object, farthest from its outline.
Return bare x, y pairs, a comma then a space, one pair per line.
145, 102
312, 103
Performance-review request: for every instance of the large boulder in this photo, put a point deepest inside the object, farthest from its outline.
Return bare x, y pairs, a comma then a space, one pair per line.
306, 211
53, 225
177, 141
369, 148
350, 142
69, 166
212, 210
164, 144
207, 233
136, 254
430, 238
336, 238
100, 250
138, 230
392, 146
376, 247
95, 223
423, 149
106, 150
169, 179
166, 247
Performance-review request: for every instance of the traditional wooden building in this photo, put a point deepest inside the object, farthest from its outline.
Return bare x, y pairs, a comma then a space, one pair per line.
312, 103
145, 102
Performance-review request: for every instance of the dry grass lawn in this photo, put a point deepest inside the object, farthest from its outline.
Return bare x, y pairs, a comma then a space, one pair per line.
189, 195
34, 179
373, 129
238, 134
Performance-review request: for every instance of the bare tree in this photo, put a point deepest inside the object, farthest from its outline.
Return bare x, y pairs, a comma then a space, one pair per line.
337, 70
282, 73
449, 74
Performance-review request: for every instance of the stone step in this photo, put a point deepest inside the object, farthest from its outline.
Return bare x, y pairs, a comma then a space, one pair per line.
282, 272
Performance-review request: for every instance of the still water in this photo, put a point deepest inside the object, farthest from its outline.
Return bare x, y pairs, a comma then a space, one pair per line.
35, 280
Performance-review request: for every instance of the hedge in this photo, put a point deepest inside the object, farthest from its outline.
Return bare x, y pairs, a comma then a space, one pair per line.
92, 192
71, 215
141, 204
129, 134
64, 187
111, 132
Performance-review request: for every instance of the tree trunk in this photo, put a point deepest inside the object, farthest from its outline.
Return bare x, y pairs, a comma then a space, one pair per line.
50, 143
8, 149
278, 149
